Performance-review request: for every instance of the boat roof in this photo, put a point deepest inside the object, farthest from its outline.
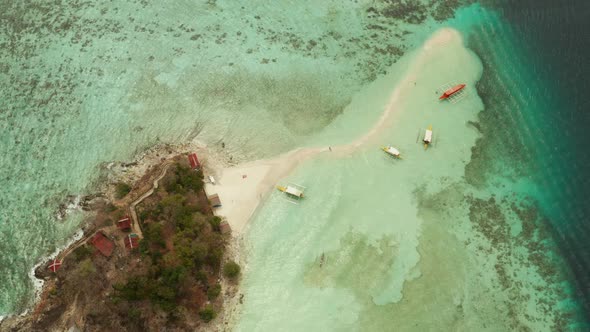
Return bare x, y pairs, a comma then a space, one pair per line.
293, 191
392, 150
428, 135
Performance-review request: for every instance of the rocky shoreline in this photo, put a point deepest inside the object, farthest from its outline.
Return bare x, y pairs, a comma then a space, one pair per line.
138, 174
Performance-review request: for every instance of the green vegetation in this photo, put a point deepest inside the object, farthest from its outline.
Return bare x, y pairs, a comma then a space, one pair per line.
85, 268
213, 292
231, 269
215, 223
207, 314
82, 252
181, 251
170, 281
109, 208
121, 190
184, 179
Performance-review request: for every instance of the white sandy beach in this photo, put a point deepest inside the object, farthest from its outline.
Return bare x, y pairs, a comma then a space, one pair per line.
240, 196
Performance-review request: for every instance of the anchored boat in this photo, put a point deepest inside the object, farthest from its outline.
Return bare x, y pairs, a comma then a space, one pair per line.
390, 150
451, 91
292, 190
427, 137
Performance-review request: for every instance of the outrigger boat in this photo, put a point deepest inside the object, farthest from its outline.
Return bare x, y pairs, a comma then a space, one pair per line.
390, 150
292, 190
427, 137
451, 91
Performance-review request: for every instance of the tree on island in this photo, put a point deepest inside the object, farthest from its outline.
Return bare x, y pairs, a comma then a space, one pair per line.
207, 314
231, 269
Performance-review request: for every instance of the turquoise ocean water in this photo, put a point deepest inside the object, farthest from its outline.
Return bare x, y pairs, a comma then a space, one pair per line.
476, 251
460, 237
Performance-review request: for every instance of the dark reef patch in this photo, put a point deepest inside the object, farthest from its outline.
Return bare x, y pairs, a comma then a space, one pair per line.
495, 155
510, 234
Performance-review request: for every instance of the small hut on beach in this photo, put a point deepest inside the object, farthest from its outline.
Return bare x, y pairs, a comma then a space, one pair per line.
194, 161
224, 227
214, 200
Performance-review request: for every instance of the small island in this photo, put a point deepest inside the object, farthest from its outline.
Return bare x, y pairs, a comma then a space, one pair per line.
154, 257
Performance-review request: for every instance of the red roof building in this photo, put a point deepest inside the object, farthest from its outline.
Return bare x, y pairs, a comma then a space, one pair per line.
214, 200
131, 241
194, 161
102, 244
124, 224
55, 265
224, 227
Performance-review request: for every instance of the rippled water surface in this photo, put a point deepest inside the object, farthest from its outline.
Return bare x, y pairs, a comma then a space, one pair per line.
484, 232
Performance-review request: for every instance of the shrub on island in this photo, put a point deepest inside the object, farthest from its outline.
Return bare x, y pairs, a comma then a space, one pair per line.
231, 269
121, 190
213, 292
207, 314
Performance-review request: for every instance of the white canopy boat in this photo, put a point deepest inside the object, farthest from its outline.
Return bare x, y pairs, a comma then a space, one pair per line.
392, 151
427, 137
292, 190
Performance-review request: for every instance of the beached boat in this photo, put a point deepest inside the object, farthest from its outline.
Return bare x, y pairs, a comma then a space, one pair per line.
427, 137
390, 150
451, 91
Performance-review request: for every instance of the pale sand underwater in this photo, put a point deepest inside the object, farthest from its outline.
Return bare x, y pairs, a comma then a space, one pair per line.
242, 195
379, 242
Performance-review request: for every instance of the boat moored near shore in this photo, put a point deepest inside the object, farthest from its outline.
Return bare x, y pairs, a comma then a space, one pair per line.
390, 150
292, 190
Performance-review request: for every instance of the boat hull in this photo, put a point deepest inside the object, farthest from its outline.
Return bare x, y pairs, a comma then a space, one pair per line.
452, 91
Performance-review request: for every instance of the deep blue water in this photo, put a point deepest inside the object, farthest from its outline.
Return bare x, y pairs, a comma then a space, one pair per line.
535, 84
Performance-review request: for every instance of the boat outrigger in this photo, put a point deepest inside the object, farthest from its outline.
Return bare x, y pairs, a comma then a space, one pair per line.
427, 137
293, 191
451, 91
390, 150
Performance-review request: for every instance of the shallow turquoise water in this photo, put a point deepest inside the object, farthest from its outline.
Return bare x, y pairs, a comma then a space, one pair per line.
87, 83
444, 241
91, 82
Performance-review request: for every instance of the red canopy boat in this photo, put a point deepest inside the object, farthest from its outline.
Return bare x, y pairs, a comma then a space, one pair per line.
452, 91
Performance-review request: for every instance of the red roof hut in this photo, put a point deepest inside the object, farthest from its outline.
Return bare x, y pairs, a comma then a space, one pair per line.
124, 224
214, 200
102, 244
131, 241
194, 161
55, 265
224, 227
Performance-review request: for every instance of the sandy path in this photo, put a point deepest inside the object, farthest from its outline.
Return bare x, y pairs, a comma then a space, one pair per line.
241, 195
133, 205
